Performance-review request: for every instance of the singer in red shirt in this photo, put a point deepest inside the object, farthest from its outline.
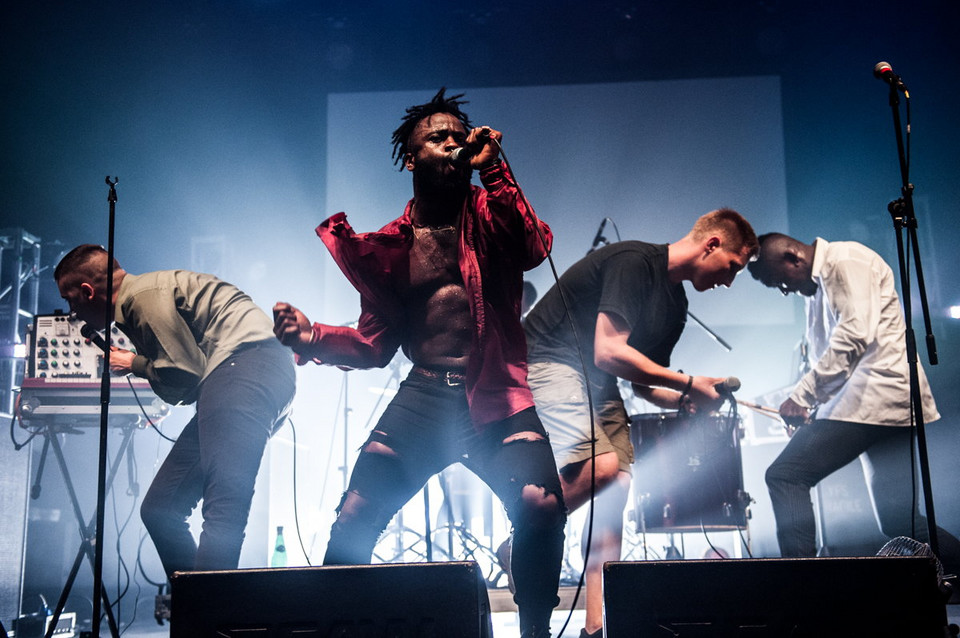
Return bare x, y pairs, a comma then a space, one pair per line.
444, 283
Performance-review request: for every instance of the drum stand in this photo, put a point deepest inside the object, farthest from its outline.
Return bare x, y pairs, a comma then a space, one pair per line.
461, 542
450, 539
405, 542
87, 529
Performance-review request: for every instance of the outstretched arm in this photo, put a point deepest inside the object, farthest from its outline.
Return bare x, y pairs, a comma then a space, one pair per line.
292, 327
614, 355
371, 344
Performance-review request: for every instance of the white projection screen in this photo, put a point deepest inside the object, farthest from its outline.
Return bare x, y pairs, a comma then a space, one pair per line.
651, 156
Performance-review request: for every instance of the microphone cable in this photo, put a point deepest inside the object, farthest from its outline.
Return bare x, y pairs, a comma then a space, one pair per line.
589, 389
143, 410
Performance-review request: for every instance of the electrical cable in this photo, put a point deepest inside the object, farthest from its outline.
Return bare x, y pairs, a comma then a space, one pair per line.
140, 567
341, 398
14, 418
123, 571
732, 419
144, 411
589, 393
296, 510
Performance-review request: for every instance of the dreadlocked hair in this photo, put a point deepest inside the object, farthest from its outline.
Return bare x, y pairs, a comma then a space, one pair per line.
439, 104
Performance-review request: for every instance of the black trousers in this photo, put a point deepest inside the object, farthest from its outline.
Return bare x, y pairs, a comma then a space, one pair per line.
216, 458
427, 427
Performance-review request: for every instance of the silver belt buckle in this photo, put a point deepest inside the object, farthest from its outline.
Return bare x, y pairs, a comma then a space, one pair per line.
448, 377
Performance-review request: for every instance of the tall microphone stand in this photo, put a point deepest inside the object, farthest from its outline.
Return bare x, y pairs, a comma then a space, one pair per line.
104, 416
99, 595
902, 212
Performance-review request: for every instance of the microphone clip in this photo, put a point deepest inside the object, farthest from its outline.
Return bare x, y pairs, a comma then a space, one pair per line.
599, 238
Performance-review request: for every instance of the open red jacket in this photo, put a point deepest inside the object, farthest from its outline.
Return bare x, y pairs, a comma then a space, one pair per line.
499, 240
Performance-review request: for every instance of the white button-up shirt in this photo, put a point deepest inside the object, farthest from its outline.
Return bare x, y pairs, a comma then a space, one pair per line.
857, 341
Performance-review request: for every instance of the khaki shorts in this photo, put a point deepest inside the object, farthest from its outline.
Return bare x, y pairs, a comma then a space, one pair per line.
561, 397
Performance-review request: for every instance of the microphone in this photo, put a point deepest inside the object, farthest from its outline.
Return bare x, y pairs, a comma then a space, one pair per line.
89, 333
728, 386
463, 154
599, 236
883, 71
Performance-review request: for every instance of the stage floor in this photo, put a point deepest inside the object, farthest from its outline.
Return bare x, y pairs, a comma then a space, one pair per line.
504, 622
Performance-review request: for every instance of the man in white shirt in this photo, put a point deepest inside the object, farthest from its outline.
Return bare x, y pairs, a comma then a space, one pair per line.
855, 398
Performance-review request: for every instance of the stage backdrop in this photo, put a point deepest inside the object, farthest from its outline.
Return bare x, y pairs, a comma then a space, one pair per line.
651, 156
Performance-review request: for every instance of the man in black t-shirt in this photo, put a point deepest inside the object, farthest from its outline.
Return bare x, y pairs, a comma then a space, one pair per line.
629, 308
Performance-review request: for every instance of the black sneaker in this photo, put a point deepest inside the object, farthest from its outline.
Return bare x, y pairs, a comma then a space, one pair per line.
597, 634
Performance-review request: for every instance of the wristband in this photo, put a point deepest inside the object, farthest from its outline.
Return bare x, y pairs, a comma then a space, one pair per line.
685, 392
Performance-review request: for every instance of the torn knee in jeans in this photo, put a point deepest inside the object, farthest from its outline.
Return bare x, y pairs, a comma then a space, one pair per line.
536, 507
378, 444
534, 476
524, 436
359, 520
351, 504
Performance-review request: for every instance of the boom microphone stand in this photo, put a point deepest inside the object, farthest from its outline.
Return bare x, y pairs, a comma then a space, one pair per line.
904, 219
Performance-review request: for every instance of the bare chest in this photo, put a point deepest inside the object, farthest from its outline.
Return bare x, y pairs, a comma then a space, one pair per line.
434, 259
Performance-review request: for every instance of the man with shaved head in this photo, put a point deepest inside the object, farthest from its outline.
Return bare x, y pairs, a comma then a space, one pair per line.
855, 399
198, 340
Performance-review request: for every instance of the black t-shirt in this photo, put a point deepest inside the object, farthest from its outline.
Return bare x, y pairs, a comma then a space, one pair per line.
628, 279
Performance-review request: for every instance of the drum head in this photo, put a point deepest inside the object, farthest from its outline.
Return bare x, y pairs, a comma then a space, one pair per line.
688, 474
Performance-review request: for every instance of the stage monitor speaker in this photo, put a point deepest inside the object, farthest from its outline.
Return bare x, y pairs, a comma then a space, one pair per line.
418, 600
796, 598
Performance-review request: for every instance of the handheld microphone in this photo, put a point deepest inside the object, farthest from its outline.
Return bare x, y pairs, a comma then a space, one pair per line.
883, 71
599, 236
89, 333
463, 154
728, 386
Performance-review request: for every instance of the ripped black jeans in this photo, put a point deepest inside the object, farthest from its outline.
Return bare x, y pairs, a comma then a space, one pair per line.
426, 428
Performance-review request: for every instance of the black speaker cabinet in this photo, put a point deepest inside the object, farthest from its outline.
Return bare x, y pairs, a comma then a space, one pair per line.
420, 600
808, 597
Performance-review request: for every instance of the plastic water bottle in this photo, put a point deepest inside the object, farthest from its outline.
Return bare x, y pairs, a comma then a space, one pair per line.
279, 558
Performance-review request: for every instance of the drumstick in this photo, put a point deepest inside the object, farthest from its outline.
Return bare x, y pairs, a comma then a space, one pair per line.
773, 413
